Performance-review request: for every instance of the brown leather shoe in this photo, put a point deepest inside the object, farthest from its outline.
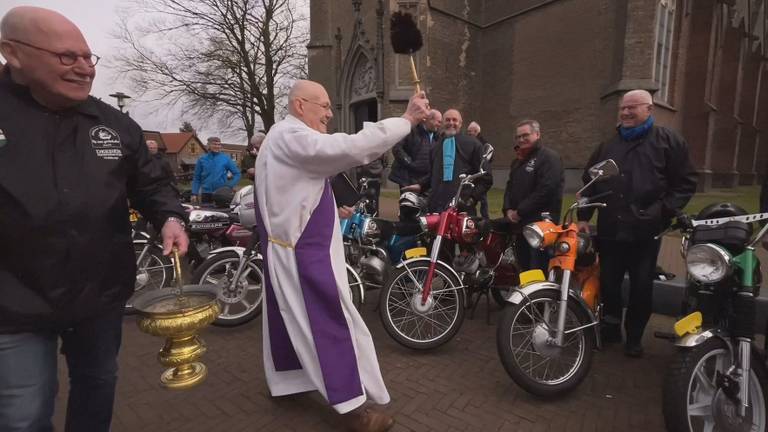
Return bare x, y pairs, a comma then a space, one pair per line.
371, 421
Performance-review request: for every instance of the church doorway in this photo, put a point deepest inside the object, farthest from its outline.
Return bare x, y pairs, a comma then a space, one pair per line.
364, 111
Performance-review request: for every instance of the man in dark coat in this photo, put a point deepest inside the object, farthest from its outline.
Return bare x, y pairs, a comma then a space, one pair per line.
535, 186
656, 181
474, 130
64, 284
412, 154
455, 154
160, 157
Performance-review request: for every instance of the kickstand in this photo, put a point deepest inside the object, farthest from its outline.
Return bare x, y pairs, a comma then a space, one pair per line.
476, 301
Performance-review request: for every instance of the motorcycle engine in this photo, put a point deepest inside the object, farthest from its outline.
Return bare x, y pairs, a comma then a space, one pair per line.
374, 268
466, 263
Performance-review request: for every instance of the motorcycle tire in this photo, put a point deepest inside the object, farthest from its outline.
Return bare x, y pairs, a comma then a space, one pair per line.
218, 270
397, 298
514, 353
688, 377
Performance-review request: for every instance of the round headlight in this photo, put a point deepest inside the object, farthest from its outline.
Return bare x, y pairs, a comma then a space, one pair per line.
708, 263
371, 230
533, 235
563, 247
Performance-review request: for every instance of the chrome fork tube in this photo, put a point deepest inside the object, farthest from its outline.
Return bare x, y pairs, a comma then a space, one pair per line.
563, 307
745, 348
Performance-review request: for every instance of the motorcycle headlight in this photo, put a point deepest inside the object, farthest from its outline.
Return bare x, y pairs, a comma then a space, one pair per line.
533, 235
708, 263
371, 230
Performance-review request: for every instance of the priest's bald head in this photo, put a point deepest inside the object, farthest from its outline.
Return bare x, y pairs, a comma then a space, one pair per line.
309, 102
635, 108
47, 53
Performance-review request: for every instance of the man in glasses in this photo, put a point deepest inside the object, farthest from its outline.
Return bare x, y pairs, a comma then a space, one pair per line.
656, 181
72, 266
535, 186
313, 337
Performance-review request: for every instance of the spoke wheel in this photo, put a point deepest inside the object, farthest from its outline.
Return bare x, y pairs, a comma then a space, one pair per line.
528, 352
416, 324
693, 401
240, 302
154, 270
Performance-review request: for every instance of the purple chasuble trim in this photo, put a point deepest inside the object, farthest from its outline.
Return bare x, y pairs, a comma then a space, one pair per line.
333, 339
284, 355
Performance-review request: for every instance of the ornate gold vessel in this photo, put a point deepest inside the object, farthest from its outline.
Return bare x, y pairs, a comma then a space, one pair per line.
178, 315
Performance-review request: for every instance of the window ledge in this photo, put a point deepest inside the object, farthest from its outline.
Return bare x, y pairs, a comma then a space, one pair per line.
664, 105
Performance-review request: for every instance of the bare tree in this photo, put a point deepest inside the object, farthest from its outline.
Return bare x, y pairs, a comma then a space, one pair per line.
224, 60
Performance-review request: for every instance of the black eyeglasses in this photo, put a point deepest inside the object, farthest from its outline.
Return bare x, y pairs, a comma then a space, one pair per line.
326, 106
67, 59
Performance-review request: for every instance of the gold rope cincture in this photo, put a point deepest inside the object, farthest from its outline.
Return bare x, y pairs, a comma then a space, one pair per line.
282, 243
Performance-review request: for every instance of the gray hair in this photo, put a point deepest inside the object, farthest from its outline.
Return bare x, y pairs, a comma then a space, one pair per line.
214, 138
535, 126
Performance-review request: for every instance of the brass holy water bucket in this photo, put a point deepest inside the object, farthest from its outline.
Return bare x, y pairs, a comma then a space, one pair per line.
178, 315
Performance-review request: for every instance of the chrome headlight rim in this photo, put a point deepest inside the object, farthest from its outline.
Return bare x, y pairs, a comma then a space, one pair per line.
371, 231
718, 255
533, 235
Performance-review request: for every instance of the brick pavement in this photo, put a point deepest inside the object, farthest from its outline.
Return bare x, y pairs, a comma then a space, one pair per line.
458, 387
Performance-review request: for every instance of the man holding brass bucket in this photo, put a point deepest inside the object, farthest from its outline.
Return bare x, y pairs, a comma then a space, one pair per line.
68, 266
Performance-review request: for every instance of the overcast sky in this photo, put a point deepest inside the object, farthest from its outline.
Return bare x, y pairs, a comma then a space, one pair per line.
96, 19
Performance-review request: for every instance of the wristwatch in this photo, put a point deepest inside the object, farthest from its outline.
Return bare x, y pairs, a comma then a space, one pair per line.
177, 220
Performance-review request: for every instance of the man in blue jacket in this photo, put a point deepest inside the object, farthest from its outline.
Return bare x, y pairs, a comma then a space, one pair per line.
211, 172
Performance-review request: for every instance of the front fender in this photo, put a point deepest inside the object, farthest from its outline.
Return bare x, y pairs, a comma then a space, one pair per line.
428, 260
691, 340
236, 249
519, 294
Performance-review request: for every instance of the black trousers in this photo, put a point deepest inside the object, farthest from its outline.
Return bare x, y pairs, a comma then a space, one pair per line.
529, 258
638, 258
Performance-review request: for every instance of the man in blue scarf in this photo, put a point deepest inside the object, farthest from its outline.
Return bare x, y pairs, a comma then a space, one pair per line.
656, 181
455, 154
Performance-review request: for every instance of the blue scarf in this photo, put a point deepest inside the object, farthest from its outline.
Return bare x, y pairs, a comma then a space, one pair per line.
637, 132
449, 156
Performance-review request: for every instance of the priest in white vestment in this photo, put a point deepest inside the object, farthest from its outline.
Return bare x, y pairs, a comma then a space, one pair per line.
314, 338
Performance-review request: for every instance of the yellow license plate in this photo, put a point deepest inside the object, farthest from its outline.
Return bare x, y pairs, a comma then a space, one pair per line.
531, 276
415, 252
689, 324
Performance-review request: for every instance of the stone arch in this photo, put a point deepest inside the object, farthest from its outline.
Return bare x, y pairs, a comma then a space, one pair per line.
358, 84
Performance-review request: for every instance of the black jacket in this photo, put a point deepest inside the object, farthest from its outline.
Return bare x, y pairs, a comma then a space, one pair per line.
469, 157
656, 181
412, 157
535, 185
65, 181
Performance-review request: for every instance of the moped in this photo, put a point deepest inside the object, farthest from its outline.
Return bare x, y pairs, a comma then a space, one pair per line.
546, 336
422, 306
718, 378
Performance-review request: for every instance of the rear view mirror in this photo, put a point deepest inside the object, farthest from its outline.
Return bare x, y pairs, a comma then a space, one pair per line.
488, 153
603, 170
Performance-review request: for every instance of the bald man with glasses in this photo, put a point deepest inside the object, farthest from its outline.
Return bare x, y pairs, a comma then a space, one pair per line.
73, 265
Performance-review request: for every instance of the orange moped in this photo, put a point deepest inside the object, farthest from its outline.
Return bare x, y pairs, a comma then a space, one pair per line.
546, 335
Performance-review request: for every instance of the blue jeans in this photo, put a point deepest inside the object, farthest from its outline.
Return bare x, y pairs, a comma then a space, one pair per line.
28, 376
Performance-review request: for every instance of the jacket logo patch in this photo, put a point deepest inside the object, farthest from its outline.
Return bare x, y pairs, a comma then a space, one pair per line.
3, 139
106, 142
530, 165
